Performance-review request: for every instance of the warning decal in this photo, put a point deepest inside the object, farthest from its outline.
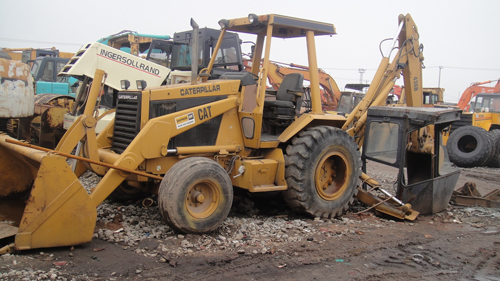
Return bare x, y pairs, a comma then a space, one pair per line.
184, 120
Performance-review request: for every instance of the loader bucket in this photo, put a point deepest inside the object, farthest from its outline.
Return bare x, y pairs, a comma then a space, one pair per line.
59, 211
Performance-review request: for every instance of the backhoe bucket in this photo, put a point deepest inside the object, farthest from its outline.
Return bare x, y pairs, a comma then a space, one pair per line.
59, 212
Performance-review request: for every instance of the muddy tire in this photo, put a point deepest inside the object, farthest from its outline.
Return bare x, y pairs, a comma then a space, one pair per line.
195, 196
469, 146
323, 166
495, 160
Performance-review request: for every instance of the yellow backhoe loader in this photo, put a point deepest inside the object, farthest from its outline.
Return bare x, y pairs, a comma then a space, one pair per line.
193, 143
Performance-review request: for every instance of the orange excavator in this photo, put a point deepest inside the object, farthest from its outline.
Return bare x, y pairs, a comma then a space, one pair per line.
473, 90
330, 92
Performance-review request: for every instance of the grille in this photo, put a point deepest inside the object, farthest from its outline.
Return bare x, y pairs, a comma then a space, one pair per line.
127, 120
74, 60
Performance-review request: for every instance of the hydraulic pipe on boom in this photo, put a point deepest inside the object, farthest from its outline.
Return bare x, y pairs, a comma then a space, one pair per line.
408, 61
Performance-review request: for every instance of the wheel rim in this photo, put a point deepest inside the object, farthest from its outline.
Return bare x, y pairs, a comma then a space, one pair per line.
202, 199
331, 175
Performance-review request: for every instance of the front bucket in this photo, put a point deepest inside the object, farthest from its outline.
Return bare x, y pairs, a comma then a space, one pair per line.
59, 212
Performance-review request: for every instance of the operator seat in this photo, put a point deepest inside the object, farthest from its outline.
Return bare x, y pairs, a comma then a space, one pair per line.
288, 98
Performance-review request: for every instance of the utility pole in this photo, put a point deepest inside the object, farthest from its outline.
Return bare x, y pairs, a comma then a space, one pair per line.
361, 71
439, 80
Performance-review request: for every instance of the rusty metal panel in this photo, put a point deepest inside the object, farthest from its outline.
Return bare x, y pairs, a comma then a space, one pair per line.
422, 115
16, 89
468, 195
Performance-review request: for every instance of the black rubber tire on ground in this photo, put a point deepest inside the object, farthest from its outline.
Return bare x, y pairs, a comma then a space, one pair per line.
195, 196
323, 166
495, 160
469, 146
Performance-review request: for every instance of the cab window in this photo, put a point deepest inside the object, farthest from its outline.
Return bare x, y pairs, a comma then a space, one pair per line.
48, 72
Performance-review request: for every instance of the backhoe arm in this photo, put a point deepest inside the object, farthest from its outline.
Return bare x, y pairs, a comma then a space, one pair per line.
408, 61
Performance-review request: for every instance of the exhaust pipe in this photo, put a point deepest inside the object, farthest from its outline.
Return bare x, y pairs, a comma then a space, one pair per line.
194, 52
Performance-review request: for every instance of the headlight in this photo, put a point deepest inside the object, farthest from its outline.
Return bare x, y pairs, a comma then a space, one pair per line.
141, 85
253, 19
224, 24
125, 84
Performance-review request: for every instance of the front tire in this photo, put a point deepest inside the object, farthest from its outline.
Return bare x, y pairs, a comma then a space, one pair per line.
195, 196
323, 166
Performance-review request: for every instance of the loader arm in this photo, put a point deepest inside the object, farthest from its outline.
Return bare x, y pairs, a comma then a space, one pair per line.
152, 142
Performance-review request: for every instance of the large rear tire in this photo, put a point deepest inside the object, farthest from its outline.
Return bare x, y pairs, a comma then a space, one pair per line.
495, 160
469, 146
323, 166
195, 196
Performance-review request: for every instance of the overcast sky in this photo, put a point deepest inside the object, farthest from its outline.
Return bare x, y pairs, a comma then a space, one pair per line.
459, 36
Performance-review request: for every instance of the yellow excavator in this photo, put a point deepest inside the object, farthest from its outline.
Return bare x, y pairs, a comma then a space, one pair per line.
192, 144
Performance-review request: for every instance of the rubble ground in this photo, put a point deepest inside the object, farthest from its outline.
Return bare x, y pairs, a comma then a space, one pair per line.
262, 239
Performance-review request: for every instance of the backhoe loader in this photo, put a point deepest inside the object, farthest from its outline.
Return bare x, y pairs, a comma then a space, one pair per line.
193, 143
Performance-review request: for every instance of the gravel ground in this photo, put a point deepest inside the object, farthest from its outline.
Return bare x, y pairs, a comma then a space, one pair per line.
255, 227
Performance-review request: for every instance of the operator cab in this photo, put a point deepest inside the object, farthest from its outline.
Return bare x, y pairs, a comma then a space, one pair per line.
228, 57
486, 103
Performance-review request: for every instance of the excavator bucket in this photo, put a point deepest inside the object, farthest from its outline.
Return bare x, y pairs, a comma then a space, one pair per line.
58, 211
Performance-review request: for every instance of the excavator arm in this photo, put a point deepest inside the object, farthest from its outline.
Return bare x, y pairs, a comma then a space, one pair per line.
475, 89
330, 92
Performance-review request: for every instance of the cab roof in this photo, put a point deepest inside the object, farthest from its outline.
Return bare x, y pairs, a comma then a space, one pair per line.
283, 26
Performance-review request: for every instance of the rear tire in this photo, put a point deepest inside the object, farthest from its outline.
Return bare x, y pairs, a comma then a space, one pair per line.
323, 166
495, 160
195, 196
469, 146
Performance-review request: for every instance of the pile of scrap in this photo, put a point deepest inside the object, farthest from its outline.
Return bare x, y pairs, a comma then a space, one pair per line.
468, 195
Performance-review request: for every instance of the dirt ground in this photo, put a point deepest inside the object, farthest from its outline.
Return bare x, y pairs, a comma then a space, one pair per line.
460, 243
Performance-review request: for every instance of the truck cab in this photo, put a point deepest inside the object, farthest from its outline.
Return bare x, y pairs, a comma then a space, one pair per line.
45, 70
176, 54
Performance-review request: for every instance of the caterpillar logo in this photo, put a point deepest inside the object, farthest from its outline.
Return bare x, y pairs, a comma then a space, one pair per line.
200, 90
127, 97
205, 113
